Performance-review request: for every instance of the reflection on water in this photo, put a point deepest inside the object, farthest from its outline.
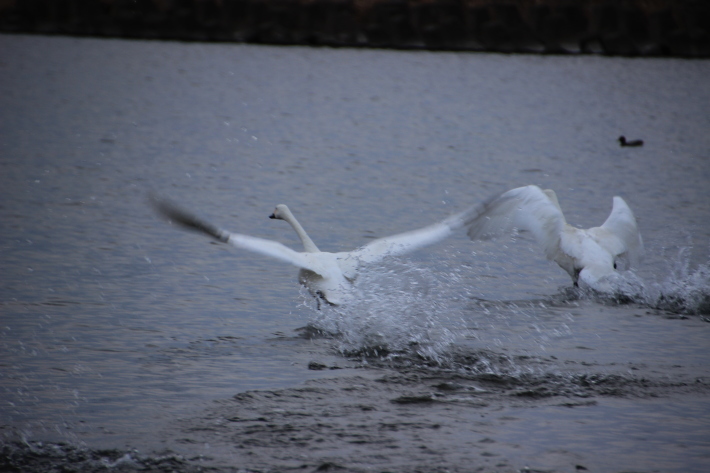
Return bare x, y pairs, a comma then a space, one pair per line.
114, 325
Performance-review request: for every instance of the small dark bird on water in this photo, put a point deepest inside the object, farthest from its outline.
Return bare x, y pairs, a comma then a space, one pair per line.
623, 142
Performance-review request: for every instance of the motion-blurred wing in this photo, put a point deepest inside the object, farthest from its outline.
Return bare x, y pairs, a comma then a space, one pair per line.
265, 247
526, 208
403, 243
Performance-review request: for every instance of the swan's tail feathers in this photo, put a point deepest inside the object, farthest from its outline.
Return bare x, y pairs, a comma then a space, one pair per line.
187, 220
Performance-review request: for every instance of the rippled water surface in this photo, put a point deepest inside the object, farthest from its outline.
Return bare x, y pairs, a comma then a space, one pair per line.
120, 332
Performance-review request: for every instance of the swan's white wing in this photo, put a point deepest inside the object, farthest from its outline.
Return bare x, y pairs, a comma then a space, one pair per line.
401, 243
622, 224
524, 208
265, 247
413, 240
273, 249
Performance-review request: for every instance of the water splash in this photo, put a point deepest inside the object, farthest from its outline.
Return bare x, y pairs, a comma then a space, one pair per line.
399, 310
421, 315
685, 290
624, 287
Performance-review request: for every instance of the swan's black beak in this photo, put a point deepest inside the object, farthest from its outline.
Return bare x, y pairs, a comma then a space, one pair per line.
272, 216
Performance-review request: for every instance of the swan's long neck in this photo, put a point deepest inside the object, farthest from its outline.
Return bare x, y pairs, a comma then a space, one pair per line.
308, 244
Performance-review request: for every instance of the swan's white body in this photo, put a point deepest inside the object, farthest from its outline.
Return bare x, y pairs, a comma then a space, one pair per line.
329, 276
590, 256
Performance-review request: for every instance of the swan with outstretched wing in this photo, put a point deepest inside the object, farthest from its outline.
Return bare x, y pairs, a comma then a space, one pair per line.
589, 256
327, 276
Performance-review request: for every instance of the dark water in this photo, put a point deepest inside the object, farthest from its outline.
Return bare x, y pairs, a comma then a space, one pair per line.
128, 344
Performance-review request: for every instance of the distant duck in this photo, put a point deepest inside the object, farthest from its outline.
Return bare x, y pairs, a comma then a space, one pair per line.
589, 256
327, 276
623, 142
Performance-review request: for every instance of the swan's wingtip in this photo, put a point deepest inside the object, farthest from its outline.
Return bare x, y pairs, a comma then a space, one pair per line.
174, 213
619, 201
163, 206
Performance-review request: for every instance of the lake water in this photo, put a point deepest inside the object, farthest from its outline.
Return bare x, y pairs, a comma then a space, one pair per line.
119, 332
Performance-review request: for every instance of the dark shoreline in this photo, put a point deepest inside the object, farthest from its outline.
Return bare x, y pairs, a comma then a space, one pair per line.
664, 28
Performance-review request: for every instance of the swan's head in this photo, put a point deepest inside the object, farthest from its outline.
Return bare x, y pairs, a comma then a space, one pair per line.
280, 212
622, 140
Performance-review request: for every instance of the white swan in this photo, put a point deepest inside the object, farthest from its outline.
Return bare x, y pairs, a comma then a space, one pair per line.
589, 256
327, 276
